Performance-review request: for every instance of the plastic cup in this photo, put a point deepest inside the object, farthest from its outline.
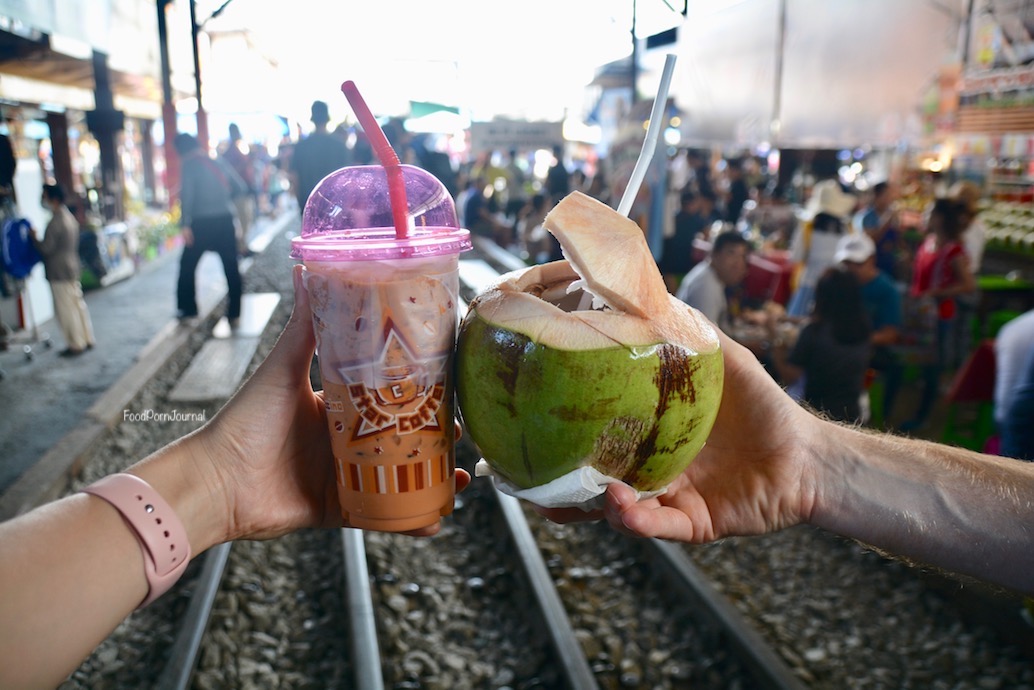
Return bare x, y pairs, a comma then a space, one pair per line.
385, 319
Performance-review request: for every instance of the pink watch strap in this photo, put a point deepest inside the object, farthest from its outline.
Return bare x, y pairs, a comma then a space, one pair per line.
163, 540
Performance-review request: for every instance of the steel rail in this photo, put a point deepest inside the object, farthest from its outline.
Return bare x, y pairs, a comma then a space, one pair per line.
753, 650
575, 665
366, 655
568, 649
179, 670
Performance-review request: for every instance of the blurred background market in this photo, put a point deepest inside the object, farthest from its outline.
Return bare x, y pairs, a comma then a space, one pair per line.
513, 105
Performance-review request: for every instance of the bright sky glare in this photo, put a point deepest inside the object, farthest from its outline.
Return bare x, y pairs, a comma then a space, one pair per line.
526, 58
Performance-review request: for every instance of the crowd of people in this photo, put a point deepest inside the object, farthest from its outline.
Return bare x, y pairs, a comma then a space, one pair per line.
866, 304
869, 303
262, 467
854, 269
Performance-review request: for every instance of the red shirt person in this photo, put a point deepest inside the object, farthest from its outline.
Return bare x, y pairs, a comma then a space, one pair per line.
940, 272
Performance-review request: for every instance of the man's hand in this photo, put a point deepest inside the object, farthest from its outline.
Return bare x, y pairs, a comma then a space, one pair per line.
752, 476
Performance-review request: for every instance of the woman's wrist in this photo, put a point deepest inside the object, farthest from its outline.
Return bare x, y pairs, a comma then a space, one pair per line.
181, 474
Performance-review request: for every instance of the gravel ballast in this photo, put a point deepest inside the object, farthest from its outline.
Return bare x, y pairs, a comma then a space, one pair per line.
453, 611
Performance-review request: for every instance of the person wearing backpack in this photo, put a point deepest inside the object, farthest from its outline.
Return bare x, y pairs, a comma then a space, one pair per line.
59, 248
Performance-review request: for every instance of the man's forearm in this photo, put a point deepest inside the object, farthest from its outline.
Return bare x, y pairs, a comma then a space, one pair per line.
948, 507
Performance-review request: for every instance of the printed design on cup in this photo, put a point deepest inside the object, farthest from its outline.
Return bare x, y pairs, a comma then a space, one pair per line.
396, 396
384, 337
395, 479
406, 393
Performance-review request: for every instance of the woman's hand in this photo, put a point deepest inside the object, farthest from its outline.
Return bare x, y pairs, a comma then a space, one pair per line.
266, 457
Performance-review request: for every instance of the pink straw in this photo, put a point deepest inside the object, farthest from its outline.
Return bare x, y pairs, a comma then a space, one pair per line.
386, 155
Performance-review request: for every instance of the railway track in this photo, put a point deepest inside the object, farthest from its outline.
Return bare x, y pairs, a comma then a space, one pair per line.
501, 598
546, 615
519, 592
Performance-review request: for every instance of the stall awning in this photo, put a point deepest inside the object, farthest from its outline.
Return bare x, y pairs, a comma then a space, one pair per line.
853, 72
33, 59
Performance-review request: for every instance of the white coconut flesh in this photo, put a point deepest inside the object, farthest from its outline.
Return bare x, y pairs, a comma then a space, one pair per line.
629, 306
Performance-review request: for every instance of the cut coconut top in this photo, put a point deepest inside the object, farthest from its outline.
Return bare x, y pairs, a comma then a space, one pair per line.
607, 258
610, 254
536, 302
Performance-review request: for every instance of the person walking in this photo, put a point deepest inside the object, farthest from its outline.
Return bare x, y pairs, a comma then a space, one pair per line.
59, 248
880, 222
558, 177
974, 238
208, 223
245, 200
316, 156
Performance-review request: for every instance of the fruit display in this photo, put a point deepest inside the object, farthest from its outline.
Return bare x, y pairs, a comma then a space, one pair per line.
1010, 225
588, 361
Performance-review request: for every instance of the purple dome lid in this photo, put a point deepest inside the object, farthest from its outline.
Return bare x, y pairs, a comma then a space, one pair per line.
348, 218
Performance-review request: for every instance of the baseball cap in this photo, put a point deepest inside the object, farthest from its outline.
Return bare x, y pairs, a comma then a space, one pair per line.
856, 248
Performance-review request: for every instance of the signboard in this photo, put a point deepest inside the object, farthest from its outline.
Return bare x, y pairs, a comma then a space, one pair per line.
998, 81
503, 135
1000, 34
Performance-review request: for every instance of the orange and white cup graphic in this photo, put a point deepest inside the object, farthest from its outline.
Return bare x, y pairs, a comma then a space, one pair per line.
385, 333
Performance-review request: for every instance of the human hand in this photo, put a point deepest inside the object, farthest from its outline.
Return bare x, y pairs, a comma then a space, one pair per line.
188, 236
265, 458
753, 475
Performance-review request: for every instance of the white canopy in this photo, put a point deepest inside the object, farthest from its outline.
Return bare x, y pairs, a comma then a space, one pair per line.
854, 72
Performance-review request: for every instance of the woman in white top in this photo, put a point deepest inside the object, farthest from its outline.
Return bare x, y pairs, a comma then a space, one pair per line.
815, 241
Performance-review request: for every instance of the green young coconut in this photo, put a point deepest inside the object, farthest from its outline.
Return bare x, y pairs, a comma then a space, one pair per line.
547, 384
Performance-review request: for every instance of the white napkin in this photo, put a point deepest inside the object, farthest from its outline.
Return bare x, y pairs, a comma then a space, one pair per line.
581, 488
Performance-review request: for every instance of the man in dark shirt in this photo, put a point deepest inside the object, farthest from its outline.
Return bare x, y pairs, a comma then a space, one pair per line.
738, 193
316, 156
692, 220
558, 178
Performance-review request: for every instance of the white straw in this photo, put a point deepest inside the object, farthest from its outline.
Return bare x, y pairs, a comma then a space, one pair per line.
650, 144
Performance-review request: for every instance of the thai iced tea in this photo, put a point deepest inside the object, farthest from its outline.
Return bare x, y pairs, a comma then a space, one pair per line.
385, 332
384, 314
